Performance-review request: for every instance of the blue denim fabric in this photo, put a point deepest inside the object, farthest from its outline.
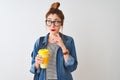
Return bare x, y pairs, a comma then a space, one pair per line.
63, 69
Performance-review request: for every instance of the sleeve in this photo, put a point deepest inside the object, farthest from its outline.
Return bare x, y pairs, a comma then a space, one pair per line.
72, 62
34, 53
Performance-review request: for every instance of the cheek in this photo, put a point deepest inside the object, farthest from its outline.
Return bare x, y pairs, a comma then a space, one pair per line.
48, 28
58, 29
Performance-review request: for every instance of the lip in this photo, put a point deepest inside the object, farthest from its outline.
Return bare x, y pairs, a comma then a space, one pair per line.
52, 29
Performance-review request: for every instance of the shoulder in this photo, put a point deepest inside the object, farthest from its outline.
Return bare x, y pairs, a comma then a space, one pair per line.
42, 39
38, 40
67, 39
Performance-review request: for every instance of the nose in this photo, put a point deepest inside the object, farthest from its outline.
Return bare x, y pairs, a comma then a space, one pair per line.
52, 24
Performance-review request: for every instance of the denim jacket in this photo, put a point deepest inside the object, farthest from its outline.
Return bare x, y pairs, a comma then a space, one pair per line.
63, 68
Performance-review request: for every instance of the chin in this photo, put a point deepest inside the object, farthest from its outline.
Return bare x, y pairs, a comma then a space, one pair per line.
54, 32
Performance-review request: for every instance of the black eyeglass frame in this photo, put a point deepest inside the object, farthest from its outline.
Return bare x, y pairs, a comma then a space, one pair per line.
55, 23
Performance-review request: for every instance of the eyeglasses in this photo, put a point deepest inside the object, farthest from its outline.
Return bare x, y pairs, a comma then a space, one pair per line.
55, 23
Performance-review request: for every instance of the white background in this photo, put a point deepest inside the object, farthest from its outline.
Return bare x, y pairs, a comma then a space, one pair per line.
94, 25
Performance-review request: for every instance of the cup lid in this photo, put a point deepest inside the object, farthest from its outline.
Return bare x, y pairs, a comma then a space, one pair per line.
43, 51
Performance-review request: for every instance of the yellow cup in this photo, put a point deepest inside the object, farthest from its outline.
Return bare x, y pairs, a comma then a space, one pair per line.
45, 55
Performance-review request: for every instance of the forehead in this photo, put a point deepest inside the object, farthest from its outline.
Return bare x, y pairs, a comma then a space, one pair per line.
53, 17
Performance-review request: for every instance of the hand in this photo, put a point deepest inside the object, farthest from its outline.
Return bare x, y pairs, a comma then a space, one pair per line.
57, 39
38, 61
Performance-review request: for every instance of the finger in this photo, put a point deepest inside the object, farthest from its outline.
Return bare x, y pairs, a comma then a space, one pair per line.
57, 35
39, 61
38, 57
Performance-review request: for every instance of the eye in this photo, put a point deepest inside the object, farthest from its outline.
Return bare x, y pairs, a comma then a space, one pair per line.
57, 21
48, 21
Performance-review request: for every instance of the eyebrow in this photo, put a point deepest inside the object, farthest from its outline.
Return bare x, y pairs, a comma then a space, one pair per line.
55, 19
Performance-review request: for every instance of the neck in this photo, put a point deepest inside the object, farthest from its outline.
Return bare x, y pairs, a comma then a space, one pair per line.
53, 34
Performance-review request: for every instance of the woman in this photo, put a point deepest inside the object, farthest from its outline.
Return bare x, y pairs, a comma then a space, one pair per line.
63, 58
